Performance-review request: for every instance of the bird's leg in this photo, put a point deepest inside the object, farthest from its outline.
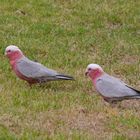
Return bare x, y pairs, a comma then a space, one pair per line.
112, 103
106, 103
30, 84
40, 83
116, 103
107, 100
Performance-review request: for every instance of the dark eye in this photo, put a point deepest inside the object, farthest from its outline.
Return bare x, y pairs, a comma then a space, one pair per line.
9, 51
89, 69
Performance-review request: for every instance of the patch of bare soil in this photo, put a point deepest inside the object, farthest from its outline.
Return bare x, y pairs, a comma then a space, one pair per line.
133, 104
11, 122
130, 60
114, 25
67, 121
95, 124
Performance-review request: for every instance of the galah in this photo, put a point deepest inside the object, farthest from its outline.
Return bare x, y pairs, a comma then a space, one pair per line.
110, 88
31, 71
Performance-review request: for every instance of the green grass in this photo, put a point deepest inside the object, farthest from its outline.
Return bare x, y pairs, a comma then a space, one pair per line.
67, 35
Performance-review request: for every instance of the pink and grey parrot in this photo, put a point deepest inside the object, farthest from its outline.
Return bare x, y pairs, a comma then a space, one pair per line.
110, 88
32, 72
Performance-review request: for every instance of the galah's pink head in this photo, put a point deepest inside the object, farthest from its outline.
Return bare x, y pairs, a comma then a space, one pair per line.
13, 52
94, 71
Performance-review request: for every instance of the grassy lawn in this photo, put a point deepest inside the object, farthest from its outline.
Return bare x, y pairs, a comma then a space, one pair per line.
67, 35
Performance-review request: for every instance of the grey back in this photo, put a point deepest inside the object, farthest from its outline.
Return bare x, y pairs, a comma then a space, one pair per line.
33, 69
110, 86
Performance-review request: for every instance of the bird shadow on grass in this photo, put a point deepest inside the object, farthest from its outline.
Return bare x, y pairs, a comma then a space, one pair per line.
55, 87
124, 105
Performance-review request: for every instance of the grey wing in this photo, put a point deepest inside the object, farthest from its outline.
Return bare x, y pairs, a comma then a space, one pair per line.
32, 69
109, 86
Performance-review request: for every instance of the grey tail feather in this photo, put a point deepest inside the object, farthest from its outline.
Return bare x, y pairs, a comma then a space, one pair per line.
136, 97
123, 98
64, 77
134, 89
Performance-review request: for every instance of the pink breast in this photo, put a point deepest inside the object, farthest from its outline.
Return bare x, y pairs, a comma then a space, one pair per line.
20, 75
